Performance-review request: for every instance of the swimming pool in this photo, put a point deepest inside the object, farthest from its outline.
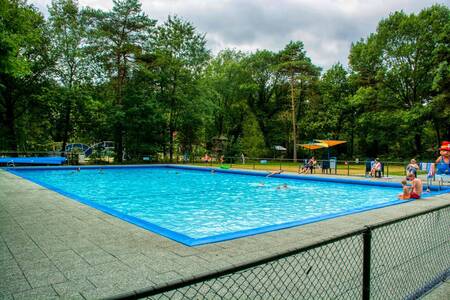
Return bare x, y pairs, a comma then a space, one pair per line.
196, 206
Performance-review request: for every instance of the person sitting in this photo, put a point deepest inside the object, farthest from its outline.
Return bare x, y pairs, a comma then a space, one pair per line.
206, 158
274, 173
412, 167
417, 189
376, 168
406, 191
309, 165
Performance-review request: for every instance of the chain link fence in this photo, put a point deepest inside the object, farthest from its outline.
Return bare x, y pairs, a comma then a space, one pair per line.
401, 259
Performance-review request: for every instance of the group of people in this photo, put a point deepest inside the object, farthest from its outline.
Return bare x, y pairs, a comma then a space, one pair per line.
442, 167
206, 158
414, 191
376, 167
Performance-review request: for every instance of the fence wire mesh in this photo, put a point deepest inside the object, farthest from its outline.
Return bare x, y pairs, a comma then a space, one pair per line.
406, 256
332, 271
410, 254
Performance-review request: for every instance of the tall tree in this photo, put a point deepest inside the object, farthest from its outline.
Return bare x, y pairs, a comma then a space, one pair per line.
22, 51
117, 38
181, 55
67, 32
297, 67
224, 77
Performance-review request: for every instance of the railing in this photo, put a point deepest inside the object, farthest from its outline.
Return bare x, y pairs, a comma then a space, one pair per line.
400, 259
333, 167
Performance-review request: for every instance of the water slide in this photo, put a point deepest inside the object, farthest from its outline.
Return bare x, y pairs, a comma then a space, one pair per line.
88, 150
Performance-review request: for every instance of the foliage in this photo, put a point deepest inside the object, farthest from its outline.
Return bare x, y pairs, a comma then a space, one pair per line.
89, 75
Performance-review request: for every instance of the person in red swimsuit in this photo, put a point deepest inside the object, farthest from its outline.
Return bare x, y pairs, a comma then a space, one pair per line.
417, 188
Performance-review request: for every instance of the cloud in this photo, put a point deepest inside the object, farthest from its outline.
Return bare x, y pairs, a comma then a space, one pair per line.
326, 27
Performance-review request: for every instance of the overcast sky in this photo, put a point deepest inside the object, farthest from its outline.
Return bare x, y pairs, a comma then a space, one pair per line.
326, 27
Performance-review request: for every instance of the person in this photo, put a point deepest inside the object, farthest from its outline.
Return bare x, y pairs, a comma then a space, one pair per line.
443, 161
309, 165
376, 167
221, 159
284, 186
406, 191
412, 167
417, 189
274, 173
243, 158
206, 158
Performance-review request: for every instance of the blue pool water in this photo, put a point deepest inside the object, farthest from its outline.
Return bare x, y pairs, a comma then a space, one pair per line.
196, 207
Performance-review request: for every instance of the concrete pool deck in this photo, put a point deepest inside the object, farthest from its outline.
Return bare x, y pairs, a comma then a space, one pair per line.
54, 247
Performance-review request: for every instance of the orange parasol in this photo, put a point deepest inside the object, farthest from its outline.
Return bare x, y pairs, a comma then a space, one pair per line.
330, 143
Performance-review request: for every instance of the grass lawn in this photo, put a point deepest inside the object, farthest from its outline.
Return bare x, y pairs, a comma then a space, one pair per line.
352, 169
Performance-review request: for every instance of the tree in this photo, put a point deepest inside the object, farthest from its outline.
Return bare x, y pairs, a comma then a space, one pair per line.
180, 57
223, 80
397, 62
297, 67
266, 96
71, 67
22, 52
117, 39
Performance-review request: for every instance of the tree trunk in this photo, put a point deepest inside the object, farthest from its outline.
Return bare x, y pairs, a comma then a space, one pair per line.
118, 139
121, 73
418, 143
171, 143
294, 121
66, 124
10, 122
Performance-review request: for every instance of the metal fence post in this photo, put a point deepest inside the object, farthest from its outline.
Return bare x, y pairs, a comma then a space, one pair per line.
367, 238
348, 168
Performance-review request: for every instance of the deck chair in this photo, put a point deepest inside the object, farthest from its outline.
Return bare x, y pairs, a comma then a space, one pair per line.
326, 167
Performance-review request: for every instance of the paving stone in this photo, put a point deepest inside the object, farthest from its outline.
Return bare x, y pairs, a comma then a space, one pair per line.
102, 293
5, 295
43, 264
72, 287
14, 286
9, 266
44, 277
30, 256
40, 293
164, 277
97, 257
135, 261
81, 272
122, 280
